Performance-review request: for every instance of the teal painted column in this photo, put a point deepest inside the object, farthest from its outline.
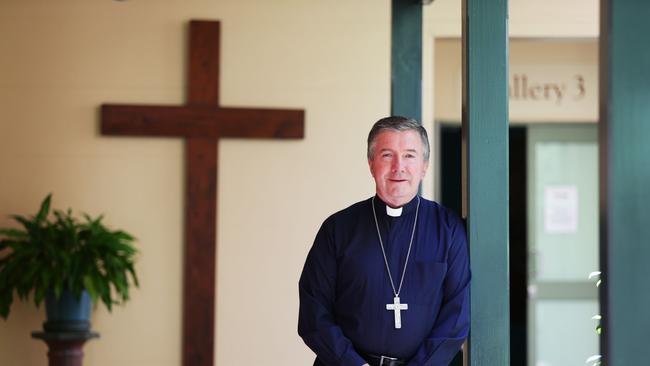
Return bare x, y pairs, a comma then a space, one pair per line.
625, 181
406, 59
485, 178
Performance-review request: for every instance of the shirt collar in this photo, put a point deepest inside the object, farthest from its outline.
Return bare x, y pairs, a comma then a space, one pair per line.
408, 208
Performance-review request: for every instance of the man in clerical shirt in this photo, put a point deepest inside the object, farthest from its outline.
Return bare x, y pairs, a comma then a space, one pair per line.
386, 281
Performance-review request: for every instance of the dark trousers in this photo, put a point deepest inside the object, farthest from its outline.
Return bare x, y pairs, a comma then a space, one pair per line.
318, 362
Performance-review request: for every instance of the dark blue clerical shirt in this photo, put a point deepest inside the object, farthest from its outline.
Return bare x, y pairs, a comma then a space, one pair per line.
344, 286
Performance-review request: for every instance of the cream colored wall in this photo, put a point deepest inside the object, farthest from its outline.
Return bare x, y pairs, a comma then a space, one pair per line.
61, 60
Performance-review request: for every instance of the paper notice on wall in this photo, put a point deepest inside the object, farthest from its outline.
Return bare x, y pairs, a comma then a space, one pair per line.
560, 209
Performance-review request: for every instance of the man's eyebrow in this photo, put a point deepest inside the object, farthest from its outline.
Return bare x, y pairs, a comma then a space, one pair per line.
409, 150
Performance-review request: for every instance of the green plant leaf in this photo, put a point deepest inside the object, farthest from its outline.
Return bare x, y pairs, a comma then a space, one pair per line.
133, 275
39, 294
58, 290
4, 309
90, 287
25, 222
14, 233
45, 209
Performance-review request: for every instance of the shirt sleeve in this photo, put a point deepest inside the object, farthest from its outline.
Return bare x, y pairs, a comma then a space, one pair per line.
316, 321
452, 325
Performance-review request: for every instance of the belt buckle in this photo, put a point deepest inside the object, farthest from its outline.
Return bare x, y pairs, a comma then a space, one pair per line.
385, 358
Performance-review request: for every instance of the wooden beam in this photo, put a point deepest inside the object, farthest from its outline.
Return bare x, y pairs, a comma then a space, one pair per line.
201, 121
485, 179
199, 280
624, 181
200, 256
203, 64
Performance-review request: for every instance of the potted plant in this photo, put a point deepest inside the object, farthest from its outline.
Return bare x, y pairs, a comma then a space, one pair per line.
66, 261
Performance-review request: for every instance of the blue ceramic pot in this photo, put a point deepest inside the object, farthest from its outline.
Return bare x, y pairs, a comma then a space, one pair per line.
67, 314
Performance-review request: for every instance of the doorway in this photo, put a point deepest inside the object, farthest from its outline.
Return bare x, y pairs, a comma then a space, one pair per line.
553, 190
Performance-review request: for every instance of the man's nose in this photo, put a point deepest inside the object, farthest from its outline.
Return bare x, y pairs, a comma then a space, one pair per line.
397, 164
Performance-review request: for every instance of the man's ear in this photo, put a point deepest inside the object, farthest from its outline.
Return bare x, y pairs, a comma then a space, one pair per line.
370, 167
424, 170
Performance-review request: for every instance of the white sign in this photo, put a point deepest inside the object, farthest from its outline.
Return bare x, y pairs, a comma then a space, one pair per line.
553, 92
549, 80
560, 209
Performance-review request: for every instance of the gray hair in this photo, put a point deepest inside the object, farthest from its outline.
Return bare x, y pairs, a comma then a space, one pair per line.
397, 123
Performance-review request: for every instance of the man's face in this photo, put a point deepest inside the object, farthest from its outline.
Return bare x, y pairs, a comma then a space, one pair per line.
397, 165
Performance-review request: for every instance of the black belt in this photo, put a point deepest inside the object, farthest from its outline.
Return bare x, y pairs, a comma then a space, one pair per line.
378, 360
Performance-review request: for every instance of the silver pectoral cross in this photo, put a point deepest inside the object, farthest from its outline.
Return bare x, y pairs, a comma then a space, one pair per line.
397, 307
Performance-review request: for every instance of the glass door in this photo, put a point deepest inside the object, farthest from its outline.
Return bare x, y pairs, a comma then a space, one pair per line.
562, 244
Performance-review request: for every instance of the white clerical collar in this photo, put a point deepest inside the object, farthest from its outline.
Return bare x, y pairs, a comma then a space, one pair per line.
393, 212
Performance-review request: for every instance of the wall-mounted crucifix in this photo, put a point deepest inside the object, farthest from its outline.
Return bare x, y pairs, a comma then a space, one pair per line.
201, 122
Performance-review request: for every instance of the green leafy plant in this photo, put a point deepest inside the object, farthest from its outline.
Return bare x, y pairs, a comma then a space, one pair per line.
596, 360
64, 253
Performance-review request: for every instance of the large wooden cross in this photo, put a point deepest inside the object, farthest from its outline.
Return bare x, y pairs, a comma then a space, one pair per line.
201, 122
